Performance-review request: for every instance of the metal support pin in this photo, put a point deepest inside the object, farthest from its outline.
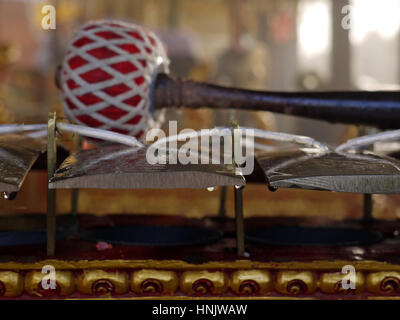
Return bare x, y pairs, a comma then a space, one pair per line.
51, 193
239, 220
75, 197
238, 192
367, 198
74, 208
367, 208
222, 203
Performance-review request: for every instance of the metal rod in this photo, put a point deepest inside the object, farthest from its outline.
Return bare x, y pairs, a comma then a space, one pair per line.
238, 193
75, 197
367, 198
74, 203
222, 203
239, 220
51, 193
367, 217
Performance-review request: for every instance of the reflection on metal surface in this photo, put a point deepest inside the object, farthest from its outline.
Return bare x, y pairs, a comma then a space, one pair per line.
145, 235
17, 155
311, 236
362, 172
10, 195
27, 238
121, 167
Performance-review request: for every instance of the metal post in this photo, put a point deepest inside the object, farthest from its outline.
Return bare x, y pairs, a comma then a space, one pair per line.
75, 198
367, 208
239, 220
51, 193
367, 198
222, 203
238, 192
74, 206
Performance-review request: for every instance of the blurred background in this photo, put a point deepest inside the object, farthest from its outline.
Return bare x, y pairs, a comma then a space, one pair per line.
283, 45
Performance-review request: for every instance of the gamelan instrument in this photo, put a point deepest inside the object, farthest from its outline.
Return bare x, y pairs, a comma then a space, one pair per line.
114, 80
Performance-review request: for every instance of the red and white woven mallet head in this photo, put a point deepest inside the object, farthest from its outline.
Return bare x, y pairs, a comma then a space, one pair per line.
108, 74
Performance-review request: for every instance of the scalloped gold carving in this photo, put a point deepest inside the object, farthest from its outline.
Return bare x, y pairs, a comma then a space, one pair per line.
101, 282
201, 283
251, 282
65, 284
296, 282
154, 282
332, 283
11, 284
384, 282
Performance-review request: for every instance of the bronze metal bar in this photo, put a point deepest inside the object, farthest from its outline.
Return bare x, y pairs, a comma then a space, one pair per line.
121, 167
18, 153
51, 193
362, 172
379, 108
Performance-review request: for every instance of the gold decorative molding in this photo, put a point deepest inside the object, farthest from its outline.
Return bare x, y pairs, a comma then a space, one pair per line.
101, 282
296, 282
204, 282
11, 284
251, 282
317, 265
331, 283
154, 282
231, 281
384, 283
65, 284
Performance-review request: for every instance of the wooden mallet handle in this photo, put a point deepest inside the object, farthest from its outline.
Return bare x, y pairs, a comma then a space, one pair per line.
374, 108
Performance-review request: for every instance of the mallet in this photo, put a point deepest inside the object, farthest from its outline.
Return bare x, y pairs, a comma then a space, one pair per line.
114, 76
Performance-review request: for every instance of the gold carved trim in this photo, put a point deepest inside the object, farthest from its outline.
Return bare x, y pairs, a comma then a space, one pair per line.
231, 281
64, 284
332, 283
154, 282
101, 282
318, 265
296, 282
11, 284
251, 282
201, 283
383, 283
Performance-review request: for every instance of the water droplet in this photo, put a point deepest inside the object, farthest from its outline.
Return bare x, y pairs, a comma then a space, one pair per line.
10, 195
271, 188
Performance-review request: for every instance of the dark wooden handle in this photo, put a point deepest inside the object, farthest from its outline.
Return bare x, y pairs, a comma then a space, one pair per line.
378, 108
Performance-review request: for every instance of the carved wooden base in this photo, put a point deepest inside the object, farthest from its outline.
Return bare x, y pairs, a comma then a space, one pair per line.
211, 271
125, 279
